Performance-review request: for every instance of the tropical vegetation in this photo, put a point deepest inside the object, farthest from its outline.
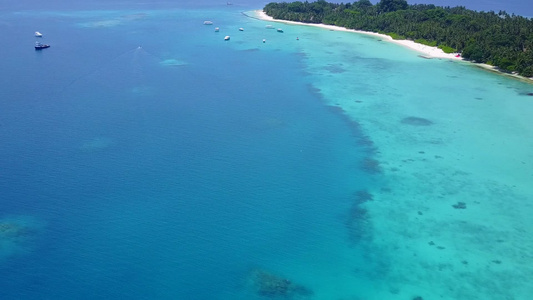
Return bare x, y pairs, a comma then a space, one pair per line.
495, 38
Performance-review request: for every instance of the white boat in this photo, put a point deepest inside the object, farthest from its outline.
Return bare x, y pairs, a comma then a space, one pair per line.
217, 29
269, 27
241, 29
264, 41
38, 34
208, 22
280, 30
226, 38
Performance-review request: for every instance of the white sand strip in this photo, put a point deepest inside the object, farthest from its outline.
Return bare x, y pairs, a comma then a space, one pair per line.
427, 51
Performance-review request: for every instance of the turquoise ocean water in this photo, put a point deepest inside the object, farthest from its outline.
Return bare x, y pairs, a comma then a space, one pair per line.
143, 157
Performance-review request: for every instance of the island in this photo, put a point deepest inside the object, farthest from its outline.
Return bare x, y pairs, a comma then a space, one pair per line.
498, 39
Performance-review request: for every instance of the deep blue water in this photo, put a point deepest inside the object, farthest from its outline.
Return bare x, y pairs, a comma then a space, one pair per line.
127, 178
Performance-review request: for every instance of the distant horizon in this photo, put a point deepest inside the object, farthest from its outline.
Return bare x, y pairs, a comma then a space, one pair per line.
512, 6
517, 7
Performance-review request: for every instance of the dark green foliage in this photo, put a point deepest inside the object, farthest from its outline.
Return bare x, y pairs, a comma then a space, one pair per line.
396, 36
425, 42
447, 49
391, 5
500, 39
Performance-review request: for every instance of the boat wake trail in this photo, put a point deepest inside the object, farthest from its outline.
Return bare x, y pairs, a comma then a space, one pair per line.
128, 69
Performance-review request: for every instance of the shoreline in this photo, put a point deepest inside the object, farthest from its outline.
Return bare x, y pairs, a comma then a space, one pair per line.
424, 50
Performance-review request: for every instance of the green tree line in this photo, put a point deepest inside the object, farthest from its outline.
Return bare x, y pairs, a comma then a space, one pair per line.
498, 39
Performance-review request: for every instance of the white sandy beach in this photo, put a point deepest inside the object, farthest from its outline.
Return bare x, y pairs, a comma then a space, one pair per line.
426, 51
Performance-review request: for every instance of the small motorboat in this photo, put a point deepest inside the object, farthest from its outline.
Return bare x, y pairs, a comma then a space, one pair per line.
264, 41
226, 38
39, 46
241, 29
280, 30
269, 27
217, 29
208, 22
38, 34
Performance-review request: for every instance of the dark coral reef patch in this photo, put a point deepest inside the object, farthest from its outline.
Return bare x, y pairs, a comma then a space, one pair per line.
362, 197
358, 221
370, 165
17, 235
459, 205
416, 121
271, 285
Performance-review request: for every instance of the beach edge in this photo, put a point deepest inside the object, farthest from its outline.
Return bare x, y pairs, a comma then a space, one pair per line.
424, 50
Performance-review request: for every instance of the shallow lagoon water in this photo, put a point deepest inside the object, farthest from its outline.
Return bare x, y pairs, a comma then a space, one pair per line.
334, 161
446, 133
